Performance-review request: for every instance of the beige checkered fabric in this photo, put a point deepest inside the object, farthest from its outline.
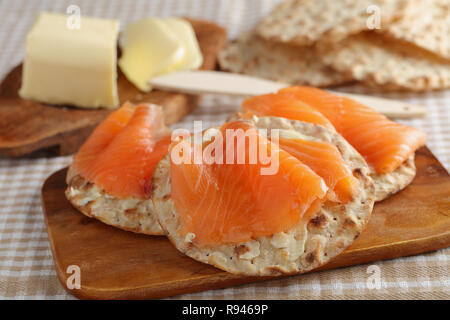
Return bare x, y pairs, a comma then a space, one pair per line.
26, 265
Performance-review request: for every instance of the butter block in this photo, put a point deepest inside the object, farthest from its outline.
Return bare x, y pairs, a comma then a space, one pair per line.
149, 49
185, 33
155, 46
71, 66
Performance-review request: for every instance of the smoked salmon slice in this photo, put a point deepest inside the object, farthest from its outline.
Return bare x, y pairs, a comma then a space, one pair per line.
286, 106
325, 160
123, 151
103, 135
231, 202
384, 144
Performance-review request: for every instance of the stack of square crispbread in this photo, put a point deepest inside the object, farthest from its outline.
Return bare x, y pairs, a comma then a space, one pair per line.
388, 44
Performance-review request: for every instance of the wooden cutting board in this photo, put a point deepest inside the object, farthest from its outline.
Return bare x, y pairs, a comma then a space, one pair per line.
116, 264
27, 126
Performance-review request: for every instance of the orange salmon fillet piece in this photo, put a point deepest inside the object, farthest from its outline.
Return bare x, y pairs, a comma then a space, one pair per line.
123, 151
232, 203
384, 144
325, 160
286, 106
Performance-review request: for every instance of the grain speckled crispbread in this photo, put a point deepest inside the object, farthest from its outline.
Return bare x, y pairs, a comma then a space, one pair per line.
311, 243
393, 66
130, 214
254, 56
395, 181
427, 26
305, 22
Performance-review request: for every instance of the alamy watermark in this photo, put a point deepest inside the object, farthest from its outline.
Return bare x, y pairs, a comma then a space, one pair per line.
374, 20
374, 280
74, 280
74, 17
229, 146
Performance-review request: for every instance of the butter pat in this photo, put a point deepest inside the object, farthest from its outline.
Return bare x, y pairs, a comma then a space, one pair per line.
185, 34
148, 49
71, 66
153, 47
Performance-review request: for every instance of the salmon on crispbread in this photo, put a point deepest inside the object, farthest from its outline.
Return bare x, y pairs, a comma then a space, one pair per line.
110, 177
233, 217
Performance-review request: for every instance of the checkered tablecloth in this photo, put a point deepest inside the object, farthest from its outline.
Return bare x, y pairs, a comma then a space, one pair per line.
26, 265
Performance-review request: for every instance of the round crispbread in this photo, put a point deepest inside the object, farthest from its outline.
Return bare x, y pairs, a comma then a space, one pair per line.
311, 243
427, 26
390, 183
254, 56
390, 65
132, 214
305, 22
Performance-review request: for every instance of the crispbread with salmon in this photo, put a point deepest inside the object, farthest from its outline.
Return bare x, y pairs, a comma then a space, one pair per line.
387, 146
309, 243
130, 214
110, 177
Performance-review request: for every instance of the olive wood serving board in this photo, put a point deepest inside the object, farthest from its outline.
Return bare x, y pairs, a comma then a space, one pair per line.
116, 264
27, 126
